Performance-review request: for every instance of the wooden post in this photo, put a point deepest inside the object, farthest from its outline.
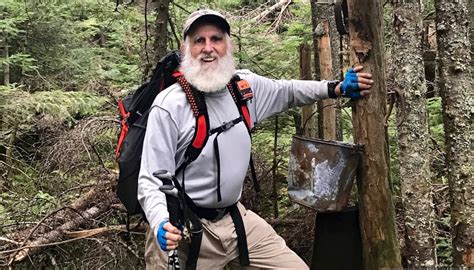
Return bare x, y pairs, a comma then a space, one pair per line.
310, 129
326, 108
377, 213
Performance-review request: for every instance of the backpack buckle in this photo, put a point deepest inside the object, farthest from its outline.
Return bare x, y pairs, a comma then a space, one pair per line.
220, 214
228, 125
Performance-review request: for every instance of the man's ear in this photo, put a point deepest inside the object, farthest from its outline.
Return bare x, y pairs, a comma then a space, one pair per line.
181, 47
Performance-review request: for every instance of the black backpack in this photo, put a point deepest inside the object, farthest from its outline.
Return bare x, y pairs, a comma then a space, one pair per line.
134, 110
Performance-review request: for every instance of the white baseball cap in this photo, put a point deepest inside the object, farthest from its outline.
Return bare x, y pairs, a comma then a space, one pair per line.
208, 16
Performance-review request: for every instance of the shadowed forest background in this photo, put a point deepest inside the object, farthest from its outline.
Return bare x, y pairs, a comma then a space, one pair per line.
65, 64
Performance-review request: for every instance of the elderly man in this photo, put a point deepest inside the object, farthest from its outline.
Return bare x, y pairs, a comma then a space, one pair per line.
207, 65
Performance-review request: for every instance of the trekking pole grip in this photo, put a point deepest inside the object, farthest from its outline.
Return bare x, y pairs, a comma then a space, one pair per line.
171, 194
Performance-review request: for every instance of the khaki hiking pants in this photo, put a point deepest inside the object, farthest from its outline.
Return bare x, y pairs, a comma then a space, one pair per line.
267, 250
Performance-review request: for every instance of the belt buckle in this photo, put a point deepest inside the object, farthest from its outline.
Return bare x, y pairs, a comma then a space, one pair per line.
220, 214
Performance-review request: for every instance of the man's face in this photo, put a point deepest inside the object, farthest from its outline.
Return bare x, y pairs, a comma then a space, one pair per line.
207, 44
207, 61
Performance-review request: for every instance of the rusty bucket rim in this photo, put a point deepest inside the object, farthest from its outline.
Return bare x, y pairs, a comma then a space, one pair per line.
357, 147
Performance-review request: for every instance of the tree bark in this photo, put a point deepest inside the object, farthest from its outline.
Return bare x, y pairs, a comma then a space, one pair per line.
471, 29
160, 45
455, 84
377, 213
308, 124
326, 108
315, 17
327, 66
413, 136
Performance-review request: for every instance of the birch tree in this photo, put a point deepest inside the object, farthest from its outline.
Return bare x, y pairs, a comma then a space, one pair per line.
413, 135
455, 83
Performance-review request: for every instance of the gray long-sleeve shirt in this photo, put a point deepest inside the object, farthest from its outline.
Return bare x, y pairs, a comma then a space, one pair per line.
171, 127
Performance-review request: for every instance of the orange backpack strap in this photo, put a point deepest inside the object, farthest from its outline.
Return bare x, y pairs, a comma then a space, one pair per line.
241, 93
123, 127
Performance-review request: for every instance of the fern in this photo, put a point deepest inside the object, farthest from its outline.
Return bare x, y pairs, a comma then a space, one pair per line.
24, 107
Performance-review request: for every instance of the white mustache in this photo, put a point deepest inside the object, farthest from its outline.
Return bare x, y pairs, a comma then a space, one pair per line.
208, 56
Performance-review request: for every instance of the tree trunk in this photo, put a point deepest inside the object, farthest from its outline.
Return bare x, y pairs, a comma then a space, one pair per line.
326, 108
327, 66
308, 124
455, 84
377, 213
160, 45
413, 136
315, 17
471, 30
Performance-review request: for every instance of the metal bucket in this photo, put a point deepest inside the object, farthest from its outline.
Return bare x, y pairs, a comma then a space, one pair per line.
321, 173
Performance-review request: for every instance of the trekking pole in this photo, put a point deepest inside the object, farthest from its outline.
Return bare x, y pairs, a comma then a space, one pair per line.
174, 210
181, 216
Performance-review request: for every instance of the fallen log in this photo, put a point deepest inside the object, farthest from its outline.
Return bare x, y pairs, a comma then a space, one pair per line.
86, 208
58, 233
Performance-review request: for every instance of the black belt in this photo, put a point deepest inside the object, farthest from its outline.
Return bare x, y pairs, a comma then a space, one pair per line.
214, 214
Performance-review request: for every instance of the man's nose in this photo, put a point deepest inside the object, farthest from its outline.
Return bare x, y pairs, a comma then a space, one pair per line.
208, 48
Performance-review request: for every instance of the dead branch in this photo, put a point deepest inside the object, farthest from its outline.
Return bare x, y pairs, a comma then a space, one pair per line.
277, 21
272, 9
4, 239
57, 234
102, 230
130, 249
35, 228
88, 207
71, 149
89, 197
76, 188
83, 131
283, 222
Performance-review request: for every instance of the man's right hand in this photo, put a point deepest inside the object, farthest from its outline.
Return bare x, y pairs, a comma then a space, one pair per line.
356, 84
168, 236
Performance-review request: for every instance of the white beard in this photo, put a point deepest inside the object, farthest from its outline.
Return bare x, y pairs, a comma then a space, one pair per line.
210, 77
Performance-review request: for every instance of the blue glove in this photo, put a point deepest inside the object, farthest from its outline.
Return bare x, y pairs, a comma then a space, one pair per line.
350, 85
161, 235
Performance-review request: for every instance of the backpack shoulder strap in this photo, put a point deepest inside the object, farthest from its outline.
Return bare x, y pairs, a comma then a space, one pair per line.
241, 93
199, 108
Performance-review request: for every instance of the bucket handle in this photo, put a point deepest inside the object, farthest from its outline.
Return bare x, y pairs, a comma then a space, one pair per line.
310, 116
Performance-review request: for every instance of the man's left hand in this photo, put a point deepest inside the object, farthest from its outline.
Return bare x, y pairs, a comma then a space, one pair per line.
356, 84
